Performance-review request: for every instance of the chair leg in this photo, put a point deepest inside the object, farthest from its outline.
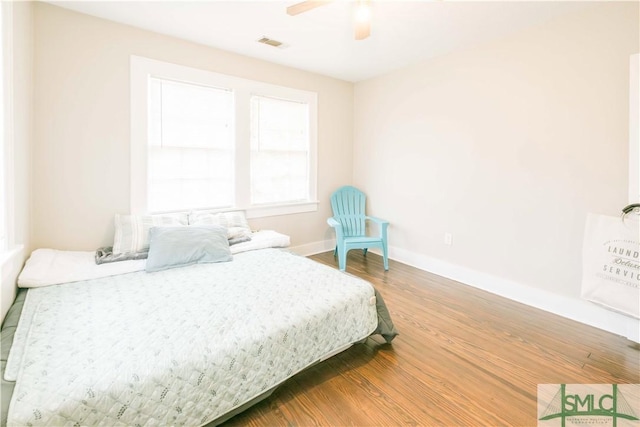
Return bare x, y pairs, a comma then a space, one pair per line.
364, 251
335, 251
385, 257
342, 258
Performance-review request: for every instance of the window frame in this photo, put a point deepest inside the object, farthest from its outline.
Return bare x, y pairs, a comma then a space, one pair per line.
141, 69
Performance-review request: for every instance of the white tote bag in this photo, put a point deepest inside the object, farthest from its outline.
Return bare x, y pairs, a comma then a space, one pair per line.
611, 263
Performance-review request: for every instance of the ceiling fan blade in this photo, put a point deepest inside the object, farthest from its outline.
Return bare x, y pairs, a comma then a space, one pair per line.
363, 30
305, 6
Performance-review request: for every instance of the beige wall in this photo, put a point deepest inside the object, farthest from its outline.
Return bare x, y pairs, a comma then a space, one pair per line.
22, 133
507, 146
81, 143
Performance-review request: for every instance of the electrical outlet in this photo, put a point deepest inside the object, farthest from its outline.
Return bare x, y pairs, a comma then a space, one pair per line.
448, 239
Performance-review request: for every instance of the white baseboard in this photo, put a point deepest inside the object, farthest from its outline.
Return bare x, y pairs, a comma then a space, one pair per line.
314, 247
571, 308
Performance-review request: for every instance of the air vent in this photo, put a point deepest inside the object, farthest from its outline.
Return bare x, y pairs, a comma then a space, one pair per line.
270, 42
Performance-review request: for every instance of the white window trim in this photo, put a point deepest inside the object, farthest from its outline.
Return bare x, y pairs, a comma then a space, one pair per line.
7, 180
143, 68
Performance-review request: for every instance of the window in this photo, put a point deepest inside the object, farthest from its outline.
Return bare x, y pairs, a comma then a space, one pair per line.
202, 140
279, 150
190, 152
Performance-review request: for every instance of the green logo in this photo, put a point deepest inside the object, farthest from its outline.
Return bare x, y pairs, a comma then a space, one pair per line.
588, 404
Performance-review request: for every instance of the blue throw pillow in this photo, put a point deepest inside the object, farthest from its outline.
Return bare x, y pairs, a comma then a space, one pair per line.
178, 246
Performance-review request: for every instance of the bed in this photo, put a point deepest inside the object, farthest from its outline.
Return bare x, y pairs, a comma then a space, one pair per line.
191, 345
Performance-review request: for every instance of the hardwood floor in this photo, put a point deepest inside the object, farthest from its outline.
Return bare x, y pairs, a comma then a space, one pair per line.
464, 357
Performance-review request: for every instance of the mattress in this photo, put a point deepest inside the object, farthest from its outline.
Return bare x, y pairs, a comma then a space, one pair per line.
185, 346
8, 332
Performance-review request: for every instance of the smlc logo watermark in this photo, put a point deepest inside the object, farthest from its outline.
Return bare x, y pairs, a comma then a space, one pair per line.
611, 405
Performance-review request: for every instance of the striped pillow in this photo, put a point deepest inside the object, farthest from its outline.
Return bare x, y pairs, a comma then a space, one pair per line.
232, 220
132, 231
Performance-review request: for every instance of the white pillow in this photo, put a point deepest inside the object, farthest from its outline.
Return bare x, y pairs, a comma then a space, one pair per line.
51, 267
261, 240
132, 231
234, 221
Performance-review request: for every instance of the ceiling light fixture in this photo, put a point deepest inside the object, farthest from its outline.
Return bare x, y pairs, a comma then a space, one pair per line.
362, 14
363, 20
363, 11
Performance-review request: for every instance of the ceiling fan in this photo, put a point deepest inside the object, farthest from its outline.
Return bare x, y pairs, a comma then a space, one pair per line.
362, 14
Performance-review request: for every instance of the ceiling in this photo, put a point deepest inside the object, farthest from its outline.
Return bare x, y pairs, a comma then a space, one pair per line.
322, 40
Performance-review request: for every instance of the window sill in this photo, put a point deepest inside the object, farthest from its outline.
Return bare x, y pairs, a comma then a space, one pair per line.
10, 254
275, 210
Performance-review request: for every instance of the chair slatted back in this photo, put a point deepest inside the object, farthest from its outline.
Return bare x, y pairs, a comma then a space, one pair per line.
348, 205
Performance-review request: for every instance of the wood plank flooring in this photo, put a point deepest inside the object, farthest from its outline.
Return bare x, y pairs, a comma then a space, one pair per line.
464, 357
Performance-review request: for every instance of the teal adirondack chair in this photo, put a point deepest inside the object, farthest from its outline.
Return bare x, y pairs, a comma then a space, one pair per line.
349, 219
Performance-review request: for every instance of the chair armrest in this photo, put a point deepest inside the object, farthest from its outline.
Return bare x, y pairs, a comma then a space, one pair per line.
338, 227
382, 223
378, 220
333, 222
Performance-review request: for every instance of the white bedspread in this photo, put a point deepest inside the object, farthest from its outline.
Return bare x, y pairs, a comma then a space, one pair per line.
181, 346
